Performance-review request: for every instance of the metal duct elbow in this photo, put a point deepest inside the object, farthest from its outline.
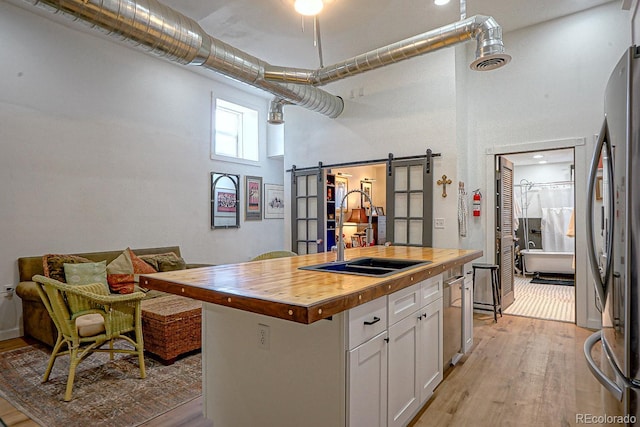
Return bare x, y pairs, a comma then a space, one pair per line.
276, 115
490, 52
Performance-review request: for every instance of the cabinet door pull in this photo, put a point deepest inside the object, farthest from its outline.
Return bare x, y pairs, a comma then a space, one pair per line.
386, 340
375, 320
420, 317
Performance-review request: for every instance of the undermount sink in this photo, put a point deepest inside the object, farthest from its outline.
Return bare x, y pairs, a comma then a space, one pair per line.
378, 267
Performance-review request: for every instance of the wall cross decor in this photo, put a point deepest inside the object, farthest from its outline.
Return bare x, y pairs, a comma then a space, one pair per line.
444, 182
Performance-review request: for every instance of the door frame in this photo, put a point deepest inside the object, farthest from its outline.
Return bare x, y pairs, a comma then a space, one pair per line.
587, 314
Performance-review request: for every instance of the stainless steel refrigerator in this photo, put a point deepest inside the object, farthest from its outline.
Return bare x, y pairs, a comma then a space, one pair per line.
614, 242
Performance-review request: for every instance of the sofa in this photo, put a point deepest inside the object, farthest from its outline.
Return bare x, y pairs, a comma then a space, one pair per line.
36, 320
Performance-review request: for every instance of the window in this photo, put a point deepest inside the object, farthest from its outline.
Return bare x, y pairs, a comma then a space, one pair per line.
235, 132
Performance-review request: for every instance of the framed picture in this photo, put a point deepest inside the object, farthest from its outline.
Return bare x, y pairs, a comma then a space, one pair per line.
273, 201
225, 198
253, 198
380, 210
342, 188
366, 186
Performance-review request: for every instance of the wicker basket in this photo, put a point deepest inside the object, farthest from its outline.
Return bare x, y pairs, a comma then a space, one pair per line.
171, 326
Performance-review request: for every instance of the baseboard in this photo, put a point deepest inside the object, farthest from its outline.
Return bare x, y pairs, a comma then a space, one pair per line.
10, 334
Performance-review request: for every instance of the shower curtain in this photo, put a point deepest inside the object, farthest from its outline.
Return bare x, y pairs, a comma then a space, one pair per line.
553, 203
556, 205
555, 224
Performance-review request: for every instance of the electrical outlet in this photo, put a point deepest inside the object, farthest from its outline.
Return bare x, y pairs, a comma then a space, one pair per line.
263, 336
438, 223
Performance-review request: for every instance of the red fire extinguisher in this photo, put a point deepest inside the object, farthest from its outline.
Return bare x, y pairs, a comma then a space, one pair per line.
477, 198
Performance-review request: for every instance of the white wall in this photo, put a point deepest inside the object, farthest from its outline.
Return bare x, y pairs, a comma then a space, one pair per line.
550, 172
104, 146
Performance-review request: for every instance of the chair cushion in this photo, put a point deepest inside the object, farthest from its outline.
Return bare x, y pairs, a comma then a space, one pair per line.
86, 272
53, 264
90, 324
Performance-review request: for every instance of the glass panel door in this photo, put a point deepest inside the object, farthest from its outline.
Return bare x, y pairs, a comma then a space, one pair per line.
307, 212
409, 203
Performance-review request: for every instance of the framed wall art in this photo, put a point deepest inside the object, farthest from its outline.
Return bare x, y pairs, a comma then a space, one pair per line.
225, 200
342, 188
366, 186
273, 201
253, 198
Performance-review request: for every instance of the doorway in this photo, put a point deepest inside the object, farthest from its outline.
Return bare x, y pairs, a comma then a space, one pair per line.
543, 198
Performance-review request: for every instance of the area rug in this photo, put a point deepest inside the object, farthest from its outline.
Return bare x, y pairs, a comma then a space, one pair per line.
542, 301
105, 393
553, 281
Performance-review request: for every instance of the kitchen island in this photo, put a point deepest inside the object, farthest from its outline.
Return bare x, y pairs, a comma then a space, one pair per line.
280, 344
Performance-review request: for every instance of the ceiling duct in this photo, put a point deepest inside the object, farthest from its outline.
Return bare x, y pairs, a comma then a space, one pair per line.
167, 33
490, 53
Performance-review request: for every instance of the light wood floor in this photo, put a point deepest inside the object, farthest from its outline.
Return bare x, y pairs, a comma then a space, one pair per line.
521, 372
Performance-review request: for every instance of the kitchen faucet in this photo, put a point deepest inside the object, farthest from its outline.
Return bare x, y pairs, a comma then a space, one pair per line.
368, 233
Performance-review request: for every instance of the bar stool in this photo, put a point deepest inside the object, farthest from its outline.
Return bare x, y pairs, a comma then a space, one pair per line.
496, 288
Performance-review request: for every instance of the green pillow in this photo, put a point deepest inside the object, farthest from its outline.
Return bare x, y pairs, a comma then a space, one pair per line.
86, 272
164, 262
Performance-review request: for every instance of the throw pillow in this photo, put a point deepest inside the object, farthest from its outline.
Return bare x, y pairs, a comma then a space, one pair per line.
53, 265
85, 273
165, 262
122, 272
139, 266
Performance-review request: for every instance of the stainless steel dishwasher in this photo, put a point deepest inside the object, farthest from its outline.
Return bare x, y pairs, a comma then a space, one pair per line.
452, 320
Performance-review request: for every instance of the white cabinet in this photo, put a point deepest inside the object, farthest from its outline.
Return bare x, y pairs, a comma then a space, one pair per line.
430, 369
394, 355
467, 309
367, 364
367, 383
404, 362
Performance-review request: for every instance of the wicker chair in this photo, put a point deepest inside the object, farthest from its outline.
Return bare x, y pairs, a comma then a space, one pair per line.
87, 317
274, 254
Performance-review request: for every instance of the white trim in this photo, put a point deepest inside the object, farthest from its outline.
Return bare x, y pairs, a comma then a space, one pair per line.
586, 312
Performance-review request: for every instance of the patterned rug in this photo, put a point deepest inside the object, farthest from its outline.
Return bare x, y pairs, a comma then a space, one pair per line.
542, 301
105, 393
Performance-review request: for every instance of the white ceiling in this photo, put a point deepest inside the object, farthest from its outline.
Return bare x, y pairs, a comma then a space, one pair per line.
272, 30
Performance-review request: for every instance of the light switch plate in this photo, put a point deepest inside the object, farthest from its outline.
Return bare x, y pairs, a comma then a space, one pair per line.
439, 223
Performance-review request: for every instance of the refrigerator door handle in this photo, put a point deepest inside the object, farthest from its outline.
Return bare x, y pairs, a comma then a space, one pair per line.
600, 280
608, 383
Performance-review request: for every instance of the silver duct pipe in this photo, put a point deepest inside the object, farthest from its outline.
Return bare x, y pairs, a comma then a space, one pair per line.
490, 53
167, 33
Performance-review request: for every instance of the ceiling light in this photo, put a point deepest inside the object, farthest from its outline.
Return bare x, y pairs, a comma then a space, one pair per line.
542, 162
308, 7
538, 156
440, 2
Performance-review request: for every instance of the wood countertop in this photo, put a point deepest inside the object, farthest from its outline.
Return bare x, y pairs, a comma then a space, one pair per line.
277, 288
